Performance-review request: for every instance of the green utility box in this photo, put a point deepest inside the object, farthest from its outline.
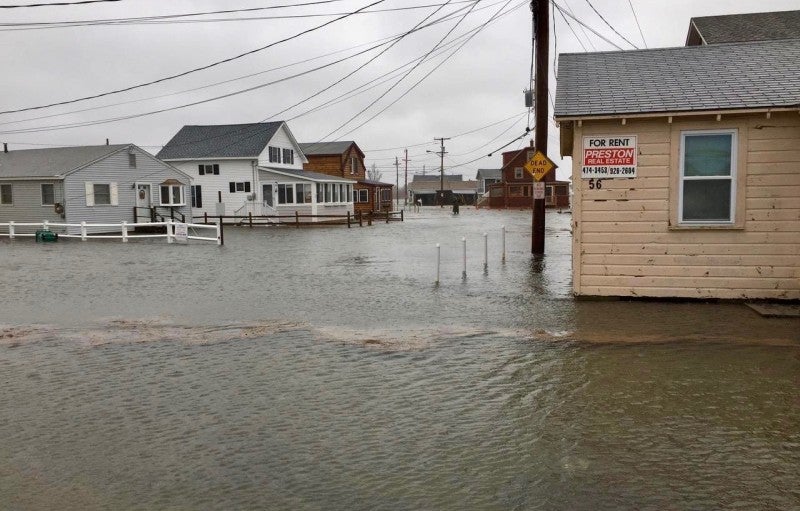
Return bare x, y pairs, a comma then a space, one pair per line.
45, 236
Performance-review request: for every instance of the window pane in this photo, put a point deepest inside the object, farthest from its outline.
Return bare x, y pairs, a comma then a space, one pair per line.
48, 195
176, 195
707, 200
320, 193
5, 194
708, 155
102, 194
299, 194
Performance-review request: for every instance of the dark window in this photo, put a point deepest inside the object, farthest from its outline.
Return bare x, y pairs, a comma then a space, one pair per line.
102, 194
232, 187
208, 169
48, 194
197, 196
132, 159
288, 156
6, 196
274, 155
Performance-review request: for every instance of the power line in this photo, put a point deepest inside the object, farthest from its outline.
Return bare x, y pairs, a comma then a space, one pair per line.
184, 73
569, 7
609, 25
55, 4
636, 18
595, 32
571, 29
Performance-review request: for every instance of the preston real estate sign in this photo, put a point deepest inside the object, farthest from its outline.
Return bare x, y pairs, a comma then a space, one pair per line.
609, 157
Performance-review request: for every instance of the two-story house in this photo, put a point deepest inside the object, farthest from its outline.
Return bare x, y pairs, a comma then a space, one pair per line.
256, 168
345, 159
515, 189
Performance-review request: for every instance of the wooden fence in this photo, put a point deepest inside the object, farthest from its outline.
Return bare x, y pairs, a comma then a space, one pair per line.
297, 220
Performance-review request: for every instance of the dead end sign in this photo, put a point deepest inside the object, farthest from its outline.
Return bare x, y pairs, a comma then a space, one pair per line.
608, 157
539, 165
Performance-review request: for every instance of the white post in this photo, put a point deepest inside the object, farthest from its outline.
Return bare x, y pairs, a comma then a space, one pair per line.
503, 228
83, 231
485, 253
219, 234
464, 271
46, 225
124, 231
11, 230
169, 231
438, 261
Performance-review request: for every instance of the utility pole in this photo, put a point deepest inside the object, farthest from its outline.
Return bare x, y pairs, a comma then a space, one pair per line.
441, 154
541, 32
397, 183
405, 193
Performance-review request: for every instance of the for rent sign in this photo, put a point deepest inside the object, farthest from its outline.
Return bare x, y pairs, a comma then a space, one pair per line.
609, 157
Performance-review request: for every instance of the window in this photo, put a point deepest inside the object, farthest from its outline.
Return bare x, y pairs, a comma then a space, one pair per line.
6, 195
243, 186
208, 169
707, 174
132, 160
320, 193
518, 173
197, 196
335, 196
354, 165
288, 156
515, 191
303, 193
285, 194
386, 194
102, 194
363, 195
48, 194
172, 195
274, 155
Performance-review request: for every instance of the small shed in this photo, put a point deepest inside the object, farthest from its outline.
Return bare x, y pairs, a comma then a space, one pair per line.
685, 170
96, 184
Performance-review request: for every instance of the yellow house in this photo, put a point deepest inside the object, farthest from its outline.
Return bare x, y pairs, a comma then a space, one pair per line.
685, 170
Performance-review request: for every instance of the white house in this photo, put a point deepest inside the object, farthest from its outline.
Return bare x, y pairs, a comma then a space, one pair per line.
253, 168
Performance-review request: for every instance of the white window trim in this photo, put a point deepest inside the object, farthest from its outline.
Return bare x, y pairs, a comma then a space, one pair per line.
732, 178
41, 194
113, 193
170, 203
519, 173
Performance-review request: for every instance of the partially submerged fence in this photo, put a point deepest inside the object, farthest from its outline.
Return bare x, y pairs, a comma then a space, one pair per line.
173, 231
297, 219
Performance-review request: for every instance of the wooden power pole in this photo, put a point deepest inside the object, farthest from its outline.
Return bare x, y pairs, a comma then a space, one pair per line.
405, 193
397, 183
442, 152
541, 23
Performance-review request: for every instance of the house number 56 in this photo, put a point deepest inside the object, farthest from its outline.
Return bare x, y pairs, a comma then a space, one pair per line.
595, 184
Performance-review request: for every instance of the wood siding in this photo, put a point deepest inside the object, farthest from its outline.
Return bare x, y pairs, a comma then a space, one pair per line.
626, 236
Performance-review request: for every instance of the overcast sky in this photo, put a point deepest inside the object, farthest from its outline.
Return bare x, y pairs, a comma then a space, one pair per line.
474, 96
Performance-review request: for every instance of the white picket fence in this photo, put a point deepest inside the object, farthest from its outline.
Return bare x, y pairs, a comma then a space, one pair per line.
174, 231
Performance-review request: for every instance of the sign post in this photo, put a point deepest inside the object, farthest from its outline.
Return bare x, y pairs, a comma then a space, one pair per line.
538, 166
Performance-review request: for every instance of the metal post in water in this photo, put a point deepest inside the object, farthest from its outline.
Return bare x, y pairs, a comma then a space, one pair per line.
464, 271
124, 231
438, 261
485, 253
503, 229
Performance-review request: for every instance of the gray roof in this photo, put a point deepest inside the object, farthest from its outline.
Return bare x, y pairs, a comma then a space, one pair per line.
318, 148
305, 174
757, 26
693, 78
489, 174
220, 141
54, 162
374, 183
436, 177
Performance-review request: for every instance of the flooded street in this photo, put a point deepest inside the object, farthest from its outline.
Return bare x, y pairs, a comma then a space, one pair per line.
321, 368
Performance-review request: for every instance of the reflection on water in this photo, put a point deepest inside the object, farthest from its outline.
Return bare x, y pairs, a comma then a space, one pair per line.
320, 369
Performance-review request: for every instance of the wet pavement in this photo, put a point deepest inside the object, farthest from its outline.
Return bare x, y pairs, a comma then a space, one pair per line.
321, 368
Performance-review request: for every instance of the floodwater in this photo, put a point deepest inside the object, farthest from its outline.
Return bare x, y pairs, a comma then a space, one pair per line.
321, 368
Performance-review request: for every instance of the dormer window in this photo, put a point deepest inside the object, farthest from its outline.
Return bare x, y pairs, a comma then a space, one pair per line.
274, 154
288, 156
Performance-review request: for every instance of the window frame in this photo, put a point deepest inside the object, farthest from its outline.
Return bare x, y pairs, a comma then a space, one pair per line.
171, 196
286, 194
732, 177
10, 193
53, 193
274, 154
208, 169
288, 156
519, 173
95, 194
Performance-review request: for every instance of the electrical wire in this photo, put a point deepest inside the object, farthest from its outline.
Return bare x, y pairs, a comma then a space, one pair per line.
570, 27
595, 32
58, 4
636, 18
610, 26
569, 7
201, 68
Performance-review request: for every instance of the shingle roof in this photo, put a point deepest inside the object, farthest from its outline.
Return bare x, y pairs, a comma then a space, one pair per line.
757, 26
54, 162
220, 141
694, 78
305, 174
489, 174
319, 148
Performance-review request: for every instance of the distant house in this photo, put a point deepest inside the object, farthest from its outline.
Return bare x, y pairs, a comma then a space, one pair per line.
515, 188
685, 164
99, 184
254, 168
486, 177
345, 159
429, 191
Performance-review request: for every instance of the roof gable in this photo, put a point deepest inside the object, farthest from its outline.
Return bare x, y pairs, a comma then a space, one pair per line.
715, 77
220, 141
53, 162
756, 26
329, 148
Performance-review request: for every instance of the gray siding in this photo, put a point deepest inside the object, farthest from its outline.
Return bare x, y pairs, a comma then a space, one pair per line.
116, 169
27, 204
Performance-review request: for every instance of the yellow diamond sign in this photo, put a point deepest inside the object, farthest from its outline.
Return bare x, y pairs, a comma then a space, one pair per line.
539, 165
